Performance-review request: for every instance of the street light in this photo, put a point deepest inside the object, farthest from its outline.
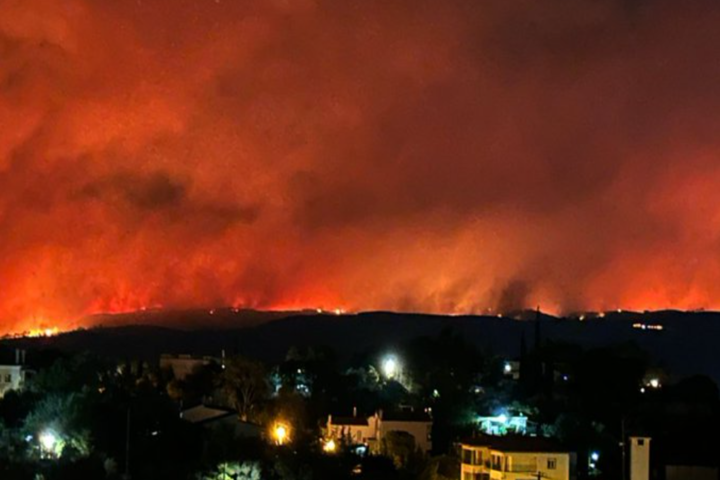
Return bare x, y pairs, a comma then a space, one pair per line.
593, 464
390, 366
330, 446
281, 433
48, 440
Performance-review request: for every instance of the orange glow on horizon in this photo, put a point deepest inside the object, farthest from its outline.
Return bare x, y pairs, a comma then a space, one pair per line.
355, 156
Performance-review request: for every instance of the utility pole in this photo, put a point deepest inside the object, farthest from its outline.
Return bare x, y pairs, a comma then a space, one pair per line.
622, 447
127, 445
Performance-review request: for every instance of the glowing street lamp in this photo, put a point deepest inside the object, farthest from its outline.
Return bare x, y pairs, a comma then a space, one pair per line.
330, 446
390, 366
48, 441
281, 432
592, 464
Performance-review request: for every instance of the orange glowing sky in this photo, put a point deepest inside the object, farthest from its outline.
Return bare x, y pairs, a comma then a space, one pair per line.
435, 155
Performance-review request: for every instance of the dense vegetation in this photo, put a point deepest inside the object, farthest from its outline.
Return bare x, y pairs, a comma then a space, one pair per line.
106, 418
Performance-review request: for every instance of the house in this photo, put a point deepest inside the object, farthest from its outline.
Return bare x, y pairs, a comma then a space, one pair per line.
220, 418
370, 431
354, 430
12, 377
417, 424
514, 458
183, 365
505, 424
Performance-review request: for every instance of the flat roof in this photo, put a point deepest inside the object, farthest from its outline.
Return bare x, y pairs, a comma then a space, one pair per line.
353, 421
516, 443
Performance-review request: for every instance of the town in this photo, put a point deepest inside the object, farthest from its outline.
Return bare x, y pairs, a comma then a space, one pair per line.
359, 239
435, 407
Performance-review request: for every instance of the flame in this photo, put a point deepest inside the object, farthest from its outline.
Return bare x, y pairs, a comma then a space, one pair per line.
357, 156
43, 332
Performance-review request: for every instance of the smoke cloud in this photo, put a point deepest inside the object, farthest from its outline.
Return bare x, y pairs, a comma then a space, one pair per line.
435, 155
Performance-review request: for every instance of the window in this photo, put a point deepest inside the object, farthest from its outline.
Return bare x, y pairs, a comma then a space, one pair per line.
8, 378
551, 463
467, 456
475, 476
641, 442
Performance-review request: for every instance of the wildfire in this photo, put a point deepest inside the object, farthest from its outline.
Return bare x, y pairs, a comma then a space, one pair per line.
42, 332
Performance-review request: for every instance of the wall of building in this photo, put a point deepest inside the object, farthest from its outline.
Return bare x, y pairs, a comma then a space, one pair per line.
182, 365
477, 464
639, 458
681, 472
353, 433
419, 430
11, 378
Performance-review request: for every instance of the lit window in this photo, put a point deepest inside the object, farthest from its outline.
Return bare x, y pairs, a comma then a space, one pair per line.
551, 463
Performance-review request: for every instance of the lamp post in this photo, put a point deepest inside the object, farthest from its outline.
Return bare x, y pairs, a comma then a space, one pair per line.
127, 446
622, 447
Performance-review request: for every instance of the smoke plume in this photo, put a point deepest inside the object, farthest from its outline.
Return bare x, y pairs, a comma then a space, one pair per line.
435, 155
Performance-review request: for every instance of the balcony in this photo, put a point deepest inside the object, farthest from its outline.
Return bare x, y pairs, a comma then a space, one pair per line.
522, 468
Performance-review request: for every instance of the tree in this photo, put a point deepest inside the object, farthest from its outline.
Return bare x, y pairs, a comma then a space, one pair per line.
61, 417
234, 470
245, 383
400, 447
441, 468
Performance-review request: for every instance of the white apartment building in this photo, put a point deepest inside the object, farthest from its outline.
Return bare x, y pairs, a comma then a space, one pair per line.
514, 458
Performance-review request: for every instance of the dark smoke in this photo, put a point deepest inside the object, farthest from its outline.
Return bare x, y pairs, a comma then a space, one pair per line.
395, 154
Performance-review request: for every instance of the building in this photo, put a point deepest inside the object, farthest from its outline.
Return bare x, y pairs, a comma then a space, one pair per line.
214, 418
514, 458
370, 431
639, 458
417, 424
354, 430
12, 377
693, 460
511, 369
184, 365
504, 424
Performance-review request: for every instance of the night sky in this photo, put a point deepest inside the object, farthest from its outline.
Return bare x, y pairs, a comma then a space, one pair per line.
424, 155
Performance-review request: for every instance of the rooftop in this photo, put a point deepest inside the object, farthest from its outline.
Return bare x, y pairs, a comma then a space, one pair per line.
202, 413
516, 443
354, 421
406, 416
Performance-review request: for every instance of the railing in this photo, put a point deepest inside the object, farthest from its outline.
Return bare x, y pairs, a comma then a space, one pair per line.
522, 468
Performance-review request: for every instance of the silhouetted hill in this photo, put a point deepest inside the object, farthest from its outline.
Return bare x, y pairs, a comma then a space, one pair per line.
192, 319
686, 345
